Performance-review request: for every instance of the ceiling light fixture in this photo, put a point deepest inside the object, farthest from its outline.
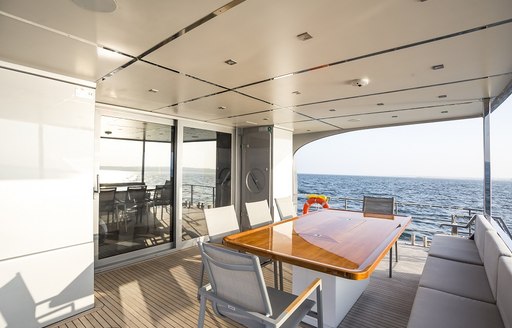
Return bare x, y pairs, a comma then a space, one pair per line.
436, 67
100, 6
394, 116
108, 132
442, 96
380, 104
296, 92
153, 90
354, 120
230, 62
444, 112
332, 110
221, 107
304, 36
251, 122
360, 82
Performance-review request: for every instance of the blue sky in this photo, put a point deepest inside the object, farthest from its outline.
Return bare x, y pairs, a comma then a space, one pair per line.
450, 149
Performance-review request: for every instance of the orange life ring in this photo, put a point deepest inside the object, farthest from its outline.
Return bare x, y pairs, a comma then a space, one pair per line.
315, 199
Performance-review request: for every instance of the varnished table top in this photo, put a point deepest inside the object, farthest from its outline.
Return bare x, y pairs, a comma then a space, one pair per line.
338, 242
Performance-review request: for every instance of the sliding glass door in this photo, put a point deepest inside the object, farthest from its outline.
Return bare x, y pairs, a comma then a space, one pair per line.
135, 185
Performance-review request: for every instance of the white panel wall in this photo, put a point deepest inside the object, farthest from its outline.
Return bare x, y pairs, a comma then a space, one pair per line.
46, 239
282, 161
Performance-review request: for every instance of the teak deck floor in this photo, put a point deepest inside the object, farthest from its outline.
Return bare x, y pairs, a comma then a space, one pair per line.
161, 292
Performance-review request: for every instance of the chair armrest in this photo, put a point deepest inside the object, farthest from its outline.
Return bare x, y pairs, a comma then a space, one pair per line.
315, 285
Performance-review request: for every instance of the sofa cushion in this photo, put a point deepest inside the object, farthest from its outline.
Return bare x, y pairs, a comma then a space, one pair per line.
455, 248
482, 225
434, 308
494, 248
463, 279
504, 301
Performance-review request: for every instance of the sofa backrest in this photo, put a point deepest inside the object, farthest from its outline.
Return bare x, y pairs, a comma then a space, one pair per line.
481, 226
504, 300
494, 249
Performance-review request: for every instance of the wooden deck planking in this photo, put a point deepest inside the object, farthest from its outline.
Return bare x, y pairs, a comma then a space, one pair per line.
162, 292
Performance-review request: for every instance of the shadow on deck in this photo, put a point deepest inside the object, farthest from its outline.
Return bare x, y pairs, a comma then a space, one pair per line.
162, 293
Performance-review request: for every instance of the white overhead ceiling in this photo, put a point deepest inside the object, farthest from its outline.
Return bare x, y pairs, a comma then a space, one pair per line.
180, 47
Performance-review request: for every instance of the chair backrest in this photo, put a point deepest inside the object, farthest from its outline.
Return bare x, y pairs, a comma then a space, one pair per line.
163, 195
258, 214
379, 205
221, 222
136, 195
107, 199
236, 278
285, 208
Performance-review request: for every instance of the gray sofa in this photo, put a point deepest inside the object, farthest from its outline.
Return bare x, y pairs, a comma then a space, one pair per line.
465, 283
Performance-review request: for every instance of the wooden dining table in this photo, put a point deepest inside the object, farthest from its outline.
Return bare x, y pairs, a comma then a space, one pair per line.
341, 247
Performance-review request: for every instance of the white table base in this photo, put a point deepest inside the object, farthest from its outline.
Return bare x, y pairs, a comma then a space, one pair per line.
338, 294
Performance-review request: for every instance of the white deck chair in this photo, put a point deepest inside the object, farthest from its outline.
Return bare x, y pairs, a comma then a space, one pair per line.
259, 215
237, 290
221, 222
285, 208
383, 207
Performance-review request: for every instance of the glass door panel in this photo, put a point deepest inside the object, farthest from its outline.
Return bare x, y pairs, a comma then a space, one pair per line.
206, 178
136, 176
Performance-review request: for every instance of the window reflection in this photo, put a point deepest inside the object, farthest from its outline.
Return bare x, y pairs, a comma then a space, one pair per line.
136, 186
206, 177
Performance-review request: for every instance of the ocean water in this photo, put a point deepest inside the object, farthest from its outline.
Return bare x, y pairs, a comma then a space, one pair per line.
429, 201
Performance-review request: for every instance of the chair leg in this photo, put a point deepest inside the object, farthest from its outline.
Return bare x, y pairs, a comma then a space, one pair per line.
202, 309
396, 251
281, 275
201, 277
391, 262
276, 283
319, 307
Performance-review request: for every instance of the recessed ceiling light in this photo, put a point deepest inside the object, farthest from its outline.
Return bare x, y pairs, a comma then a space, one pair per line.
304, 36
332, 110
221, 107
436, 67
230, 62
360, 82
296, 92
444, 112
380, 104
153, 90
354, 120
442, 96
251, 122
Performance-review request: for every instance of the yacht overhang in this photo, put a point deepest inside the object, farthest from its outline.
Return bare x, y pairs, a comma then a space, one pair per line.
244, 63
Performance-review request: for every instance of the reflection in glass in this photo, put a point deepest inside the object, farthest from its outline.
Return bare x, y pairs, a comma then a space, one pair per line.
206, 177
136, 186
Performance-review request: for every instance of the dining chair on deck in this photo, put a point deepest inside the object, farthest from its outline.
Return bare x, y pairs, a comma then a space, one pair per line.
163, 197
381, 207
107, 203
136, 201
220, 222
285, 208
237, 290
258, 214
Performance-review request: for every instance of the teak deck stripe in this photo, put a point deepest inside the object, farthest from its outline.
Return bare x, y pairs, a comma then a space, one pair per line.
162, 292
